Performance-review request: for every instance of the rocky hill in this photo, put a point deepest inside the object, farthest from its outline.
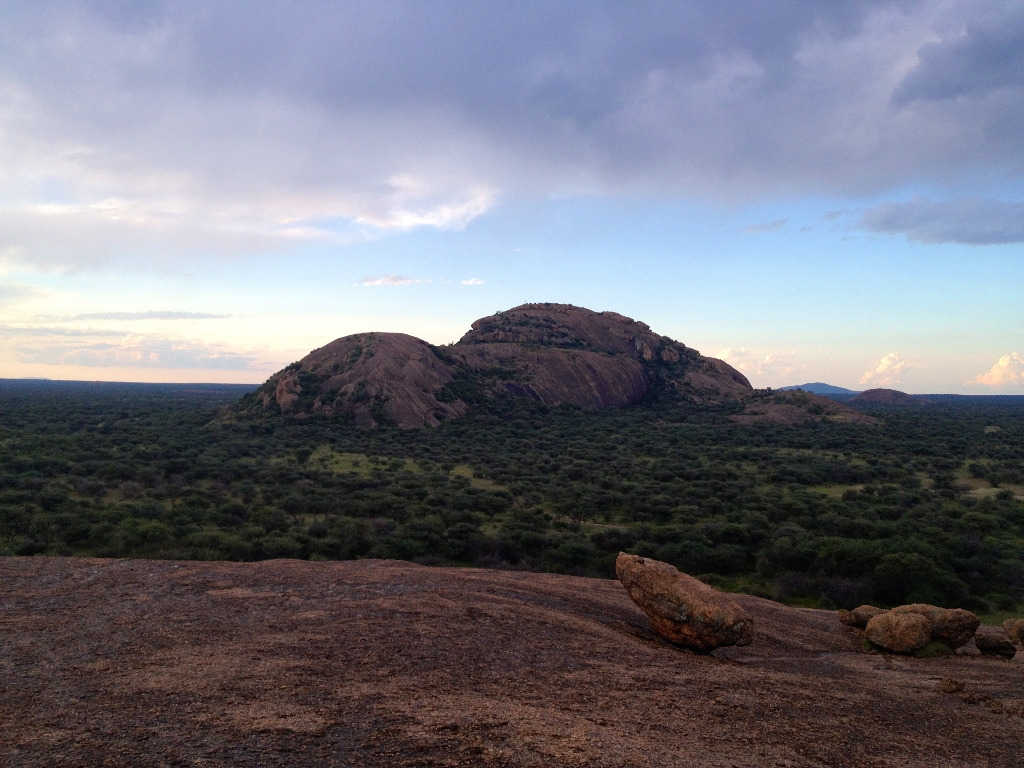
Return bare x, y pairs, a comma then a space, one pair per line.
551, 353
884, 397
383, 663
795, 407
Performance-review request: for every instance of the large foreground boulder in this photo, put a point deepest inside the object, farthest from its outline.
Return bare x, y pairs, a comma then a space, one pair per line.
950, 626
899, 632
682, 609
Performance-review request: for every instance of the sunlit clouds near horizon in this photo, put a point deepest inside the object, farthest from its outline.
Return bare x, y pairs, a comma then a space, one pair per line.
205, 191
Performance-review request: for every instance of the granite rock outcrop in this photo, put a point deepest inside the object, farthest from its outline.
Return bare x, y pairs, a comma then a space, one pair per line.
551, 353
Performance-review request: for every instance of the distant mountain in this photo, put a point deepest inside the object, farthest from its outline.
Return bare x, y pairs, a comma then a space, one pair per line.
820, 388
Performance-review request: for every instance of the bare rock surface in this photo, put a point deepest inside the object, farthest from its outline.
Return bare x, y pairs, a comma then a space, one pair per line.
581, 377
377, 663
681, 608
899, 632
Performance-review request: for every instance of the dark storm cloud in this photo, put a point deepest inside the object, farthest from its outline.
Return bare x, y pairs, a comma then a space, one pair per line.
971, 222
988, 55
222, 125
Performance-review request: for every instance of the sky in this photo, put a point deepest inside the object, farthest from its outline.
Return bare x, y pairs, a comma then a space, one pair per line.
812, 191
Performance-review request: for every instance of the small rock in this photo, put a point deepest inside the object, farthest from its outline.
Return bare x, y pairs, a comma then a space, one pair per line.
860, 616
682, 609
1015, 630
899, 632
949, 685
951, 626
993, 641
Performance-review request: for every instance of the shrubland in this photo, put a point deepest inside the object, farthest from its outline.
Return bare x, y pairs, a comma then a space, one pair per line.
925, 506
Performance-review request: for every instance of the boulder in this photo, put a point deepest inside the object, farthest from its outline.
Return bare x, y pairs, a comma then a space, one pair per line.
1015, 630
860, 616
682, 609
993, 641
956, 627
899, 632
950, 626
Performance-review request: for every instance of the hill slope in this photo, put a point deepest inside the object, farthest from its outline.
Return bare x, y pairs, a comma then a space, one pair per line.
289, 663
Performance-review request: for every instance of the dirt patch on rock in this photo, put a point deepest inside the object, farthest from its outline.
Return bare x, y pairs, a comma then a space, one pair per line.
288, 663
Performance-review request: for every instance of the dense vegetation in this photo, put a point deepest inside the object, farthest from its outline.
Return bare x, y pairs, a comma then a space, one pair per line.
925, 507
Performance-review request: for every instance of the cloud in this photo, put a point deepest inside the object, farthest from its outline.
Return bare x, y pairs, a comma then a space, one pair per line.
11, 330
887, 373
391, 280
12, 293
132, 350
140, 132
1008, 371
406, 209
968, 221
150, 315
986, 56
770, 226
473, 281
836, 214
775, 365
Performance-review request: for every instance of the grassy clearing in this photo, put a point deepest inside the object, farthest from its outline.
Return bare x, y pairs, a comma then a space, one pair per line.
835, 491
327, 459
464, 470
